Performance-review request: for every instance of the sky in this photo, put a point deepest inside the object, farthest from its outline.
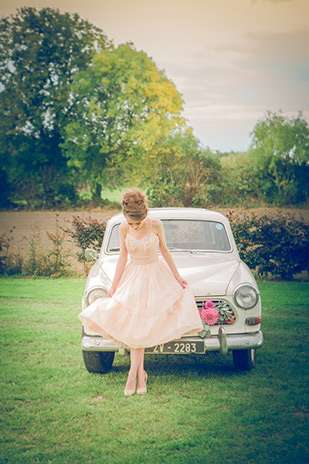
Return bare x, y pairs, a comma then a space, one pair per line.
232, 60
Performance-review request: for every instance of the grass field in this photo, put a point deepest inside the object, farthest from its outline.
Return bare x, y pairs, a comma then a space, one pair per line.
107, 194
197, 410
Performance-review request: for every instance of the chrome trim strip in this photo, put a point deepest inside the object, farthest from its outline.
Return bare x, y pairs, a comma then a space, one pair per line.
234, 342
98, 343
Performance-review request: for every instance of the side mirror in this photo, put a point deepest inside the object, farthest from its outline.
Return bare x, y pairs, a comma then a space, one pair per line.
91, 254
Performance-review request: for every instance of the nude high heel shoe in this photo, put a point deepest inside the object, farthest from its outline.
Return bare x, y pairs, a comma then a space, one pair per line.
130, 392
142, 390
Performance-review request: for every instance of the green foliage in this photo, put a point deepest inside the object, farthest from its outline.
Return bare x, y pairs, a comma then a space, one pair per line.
182, 173
58, 257
10, 264
279, 159
37, 263
5, 190
76, 110
165, 193
122, 104
86, 233
272, 244
238, 182
40, 51
53, 263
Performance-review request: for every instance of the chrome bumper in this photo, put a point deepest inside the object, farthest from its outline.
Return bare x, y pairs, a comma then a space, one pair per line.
235, 341
213, 343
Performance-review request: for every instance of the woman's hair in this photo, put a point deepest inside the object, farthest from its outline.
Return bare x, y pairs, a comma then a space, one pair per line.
134, 204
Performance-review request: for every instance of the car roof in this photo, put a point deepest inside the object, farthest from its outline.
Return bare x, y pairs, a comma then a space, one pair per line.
177, 213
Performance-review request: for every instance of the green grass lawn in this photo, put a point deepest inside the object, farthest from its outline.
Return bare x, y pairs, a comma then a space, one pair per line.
107, 194
197, 410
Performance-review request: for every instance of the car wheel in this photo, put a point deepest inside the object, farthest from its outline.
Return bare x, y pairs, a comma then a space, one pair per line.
98, 362
244, 360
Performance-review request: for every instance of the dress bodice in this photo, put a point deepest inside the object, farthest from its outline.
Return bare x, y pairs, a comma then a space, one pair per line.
145, 250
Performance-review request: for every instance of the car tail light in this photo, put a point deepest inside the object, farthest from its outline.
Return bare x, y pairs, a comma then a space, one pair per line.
253, 320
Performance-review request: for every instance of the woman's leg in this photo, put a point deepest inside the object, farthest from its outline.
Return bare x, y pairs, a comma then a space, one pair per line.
141, 372
136, 369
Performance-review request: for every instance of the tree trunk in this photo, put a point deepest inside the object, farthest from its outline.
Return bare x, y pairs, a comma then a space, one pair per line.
96, 190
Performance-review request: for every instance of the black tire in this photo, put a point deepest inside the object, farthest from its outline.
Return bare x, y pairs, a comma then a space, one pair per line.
244, 360
98, 362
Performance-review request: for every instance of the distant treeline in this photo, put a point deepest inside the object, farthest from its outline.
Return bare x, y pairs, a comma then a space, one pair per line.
79, 112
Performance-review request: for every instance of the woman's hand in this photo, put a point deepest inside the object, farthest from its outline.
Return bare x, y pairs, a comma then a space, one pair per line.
158, 229
111, 291
182, 281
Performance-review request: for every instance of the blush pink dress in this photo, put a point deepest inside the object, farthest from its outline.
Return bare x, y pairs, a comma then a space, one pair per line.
149, 306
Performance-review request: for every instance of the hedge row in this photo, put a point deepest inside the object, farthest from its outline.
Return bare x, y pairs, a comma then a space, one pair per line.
269, 244
274, 244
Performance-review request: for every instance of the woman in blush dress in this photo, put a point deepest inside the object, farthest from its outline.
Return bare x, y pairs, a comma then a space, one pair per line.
148, 303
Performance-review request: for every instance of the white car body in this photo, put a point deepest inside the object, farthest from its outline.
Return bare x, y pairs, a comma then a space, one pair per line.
213, 275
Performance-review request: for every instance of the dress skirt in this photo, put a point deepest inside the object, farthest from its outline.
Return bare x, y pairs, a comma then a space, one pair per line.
149, 307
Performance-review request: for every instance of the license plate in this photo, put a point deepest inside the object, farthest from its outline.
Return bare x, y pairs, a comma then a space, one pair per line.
177, 347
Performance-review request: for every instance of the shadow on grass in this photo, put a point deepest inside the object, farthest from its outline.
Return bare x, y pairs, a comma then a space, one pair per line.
210, 364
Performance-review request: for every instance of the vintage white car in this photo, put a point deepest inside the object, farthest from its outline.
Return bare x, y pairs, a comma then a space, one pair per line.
227, 297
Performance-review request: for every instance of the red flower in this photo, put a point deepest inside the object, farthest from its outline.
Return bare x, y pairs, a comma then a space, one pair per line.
210, 316
209, 304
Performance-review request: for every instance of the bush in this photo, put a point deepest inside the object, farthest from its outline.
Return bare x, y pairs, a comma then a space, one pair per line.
166, 194
10, 264
54, 263
271, 244
86, 233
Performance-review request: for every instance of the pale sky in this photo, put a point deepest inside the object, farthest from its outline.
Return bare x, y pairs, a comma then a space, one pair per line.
232, 60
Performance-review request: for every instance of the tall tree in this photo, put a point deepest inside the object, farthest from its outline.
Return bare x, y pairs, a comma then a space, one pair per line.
180, 172
40, 52
279, 156
122, 105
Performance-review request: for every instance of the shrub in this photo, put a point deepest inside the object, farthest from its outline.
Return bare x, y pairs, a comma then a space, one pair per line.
166, 194
53, 263
57, 256
86, 233
10, 263
272, 244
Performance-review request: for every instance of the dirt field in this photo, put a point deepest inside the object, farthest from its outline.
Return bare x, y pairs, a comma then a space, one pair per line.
23, 227
29, 226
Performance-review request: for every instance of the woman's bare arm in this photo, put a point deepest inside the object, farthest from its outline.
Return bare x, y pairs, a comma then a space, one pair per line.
122, 261
158, 229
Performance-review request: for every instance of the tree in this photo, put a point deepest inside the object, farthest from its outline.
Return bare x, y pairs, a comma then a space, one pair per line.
279, 155
40, 52
122, 105
182, 173
238, 180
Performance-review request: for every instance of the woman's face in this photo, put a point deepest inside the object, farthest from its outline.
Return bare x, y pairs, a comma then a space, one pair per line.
136, 225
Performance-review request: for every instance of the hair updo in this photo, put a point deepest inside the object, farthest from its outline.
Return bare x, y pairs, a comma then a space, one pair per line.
134, 204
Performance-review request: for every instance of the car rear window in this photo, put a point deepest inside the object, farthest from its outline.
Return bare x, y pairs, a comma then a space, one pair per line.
184, 234
196, 235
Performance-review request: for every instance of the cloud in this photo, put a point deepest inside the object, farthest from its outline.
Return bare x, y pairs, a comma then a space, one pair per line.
231, 60
280, 62
286, 51
227, 88
274, 1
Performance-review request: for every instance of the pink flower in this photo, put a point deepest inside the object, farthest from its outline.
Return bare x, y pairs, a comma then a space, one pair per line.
209, 304
210, 316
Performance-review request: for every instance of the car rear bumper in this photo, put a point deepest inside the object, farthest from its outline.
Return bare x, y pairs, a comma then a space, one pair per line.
213, 343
